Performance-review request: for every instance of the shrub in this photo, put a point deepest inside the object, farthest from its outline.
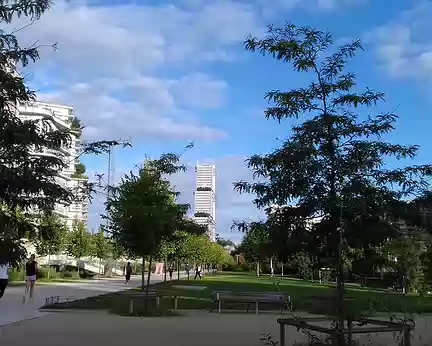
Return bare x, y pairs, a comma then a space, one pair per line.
42, 273
66, 274
16, 275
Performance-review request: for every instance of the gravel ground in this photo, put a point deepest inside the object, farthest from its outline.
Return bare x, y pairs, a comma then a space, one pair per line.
196, 328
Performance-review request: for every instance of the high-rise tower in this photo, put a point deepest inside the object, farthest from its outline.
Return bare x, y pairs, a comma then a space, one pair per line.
205, 198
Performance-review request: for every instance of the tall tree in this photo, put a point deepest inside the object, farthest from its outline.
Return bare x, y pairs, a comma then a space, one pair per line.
332, 167
78, 242
27, 182
142, 210
100, 248
256, 245
51, 237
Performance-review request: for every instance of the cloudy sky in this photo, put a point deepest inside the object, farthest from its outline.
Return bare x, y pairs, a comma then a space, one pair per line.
164, 73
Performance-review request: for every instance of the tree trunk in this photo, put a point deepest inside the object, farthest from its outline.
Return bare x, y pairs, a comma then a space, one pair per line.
282, 268
165, 269
178, 270
49, 266
100, 265
78, 265
148, 285
271, 267
143, 274
258, 268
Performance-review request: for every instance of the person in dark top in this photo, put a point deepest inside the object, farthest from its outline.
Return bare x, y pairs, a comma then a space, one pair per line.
170, 271
128, 272
31, 267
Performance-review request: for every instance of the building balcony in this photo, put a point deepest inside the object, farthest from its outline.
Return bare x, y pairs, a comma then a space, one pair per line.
45, 112
48, 152
204, 188
202, 214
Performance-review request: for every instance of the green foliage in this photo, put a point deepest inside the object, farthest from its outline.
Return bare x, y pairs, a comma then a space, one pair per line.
47, 273
52, 234
78, 241
27, 181
195, 249
116, 250
80, 169
16, 275
100, 245
66, 274
255, 245
21, 173
333, 165
76, 126
142, 210
304, 266
408, 257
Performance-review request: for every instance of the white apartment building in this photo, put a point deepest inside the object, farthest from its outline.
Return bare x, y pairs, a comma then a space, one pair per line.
205, 198
59, 117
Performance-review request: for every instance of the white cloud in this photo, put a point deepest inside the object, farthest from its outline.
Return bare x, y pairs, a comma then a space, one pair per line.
112, 60
403, 46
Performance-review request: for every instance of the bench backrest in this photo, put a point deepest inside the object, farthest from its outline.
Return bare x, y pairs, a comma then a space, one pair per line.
270, 296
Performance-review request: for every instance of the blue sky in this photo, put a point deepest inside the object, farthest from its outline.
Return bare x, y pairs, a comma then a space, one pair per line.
164, 73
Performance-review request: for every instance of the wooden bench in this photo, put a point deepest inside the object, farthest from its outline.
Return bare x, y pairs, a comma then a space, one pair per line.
272, 298
154, 295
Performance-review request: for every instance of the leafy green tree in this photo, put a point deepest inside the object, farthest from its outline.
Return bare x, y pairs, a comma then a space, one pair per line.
51, 237
142, 210
27, 181
100, 247
195, 249
116, 250
332, 167
78, 242
406, 255
255, 245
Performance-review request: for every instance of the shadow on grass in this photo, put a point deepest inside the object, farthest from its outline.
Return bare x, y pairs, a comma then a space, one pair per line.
303, 296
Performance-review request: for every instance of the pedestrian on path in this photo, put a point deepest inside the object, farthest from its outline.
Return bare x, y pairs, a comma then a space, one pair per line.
128, 272
4, 277
198, 272
31, 269
170, 271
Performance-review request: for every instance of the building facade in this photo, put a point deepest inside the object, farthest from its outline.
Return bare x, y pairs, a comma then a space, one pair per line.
58, 117
205, 198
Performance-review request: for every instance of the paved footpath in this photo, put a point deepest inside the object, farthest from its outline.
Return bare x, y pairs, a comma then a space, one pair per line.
13, 310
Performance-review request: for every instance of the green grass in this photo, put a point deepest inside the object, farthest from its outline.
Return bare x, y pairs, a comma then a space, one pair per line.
302, 293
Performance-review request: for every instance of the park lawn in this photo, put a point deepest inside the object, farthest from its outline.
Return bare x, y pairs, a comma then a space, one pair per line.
359, 301
301, 292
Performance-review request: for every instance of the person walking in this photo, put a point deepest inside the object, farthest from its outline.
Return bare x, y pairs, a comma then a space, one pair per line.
128, 272
4, 277
170, 271
198, 272
31, 268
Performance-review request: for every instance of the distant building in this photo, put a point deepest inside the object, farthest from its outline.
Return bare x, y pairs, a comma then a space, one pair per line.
60, 117
205, 198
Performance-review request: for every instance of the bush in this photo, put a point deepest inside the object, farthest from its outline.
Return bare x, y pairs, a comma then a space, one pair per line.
66, 274
42, 273
16, 275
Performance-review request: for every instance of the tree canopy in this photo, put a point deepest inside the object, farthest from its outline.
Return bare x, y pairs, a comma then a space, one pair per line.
52, 235
28, 181
330, 177
142, 210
